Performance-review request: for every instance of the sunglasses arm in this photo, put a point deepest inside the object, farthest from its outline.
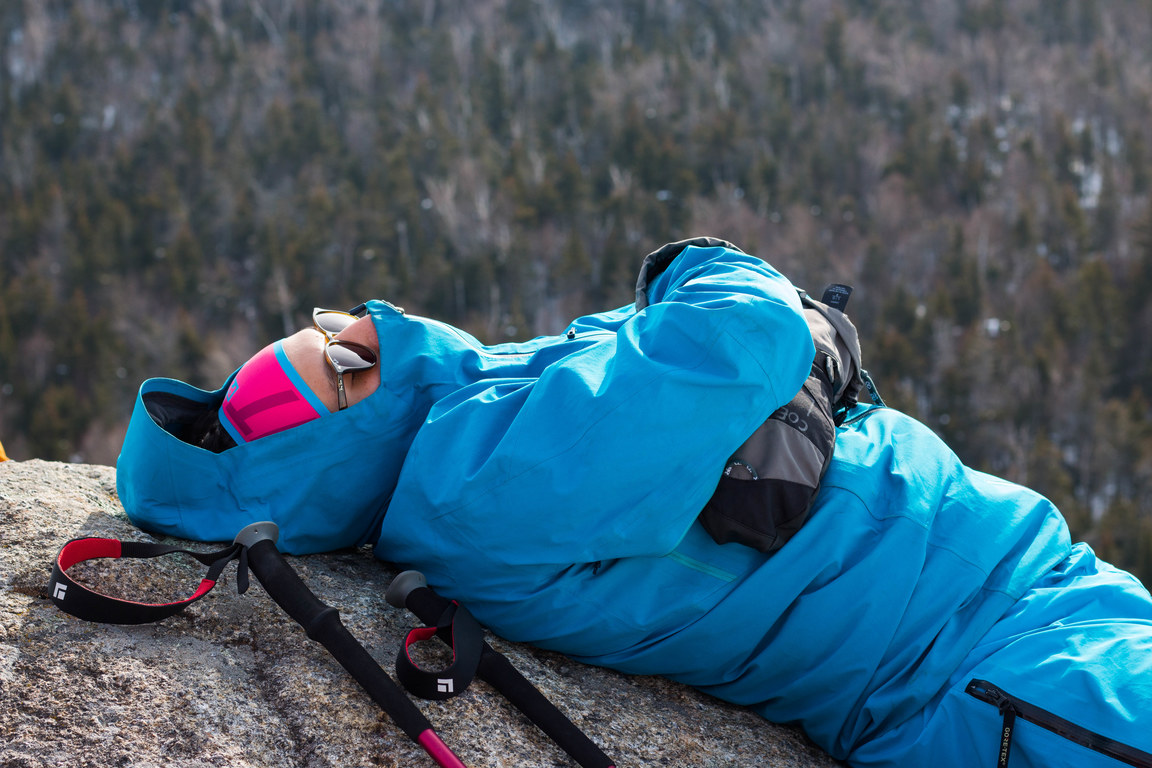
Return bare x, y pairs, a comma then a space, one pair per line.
342, 397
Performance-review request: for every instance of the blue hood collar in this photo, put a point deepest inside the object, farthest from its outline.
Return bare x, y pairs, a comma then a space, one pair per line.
345, 463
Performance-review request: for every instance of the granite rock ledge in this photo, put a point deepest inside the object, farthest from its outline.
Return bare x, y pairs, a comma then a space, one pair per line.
232, 681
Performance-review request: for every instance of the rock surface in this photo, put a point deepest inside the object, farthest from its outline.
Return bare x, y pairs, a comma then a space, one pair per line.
232, 681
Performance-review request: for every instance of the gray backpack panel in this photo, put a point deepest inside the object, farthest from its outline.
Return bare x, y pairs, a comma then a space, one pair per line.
766, 491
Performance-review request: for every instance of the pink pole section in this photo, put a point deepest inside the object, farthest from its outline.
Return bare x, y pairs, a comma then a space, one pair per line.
439, 751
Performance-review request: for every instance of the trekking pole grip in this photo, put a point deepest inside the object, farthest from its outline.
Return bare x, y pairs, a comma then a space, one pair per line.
322, 623
410, 590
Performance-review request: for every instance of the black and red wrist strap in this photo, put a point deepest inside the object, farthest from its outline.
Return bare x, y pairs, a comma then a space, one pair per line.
460, 631
456, 626
74, 598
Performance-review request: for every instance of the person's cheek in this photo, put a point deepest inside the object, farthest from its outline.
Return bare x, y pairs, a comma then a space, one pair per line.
363, 331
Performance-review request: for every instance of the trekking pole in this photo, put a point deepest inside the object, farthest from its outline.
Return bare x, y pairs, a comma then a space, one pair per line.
322, 623
410, 590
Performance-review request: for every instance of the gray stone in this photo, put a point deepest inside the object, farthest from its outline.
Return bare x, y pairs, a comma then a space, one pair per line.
232, 681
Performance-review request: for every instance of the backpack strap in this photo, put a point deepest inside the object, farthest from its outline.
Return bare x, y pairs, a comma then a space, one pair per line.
78, 600
837, 345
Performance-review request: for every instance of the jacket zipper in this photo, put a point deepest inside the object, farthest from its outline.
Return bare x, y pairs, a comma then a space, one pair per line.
1012, 708
871, 409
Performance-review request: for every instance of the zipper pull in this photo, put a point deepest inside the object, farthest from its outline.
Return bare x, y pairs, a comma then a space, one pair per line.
1006, 729
985, 691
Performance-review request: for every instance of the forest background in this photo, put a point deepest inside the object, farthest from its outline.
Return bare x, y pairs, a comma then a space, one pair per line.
183, 180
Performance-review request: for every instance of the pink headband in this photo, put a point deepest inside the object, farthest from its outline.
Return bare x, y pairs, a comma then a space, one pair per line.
268, 395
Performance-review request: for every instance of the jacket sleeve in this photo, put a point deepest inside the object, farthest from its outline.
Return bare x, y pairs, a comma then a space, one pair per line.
615, 448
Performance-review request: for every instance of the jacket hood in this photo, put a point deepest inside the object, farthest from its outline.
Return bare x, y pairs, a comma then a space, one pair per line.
345, 463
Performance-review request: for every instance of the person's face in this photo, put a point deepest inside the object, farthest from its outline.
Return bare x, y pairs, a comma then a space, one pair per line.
305, 350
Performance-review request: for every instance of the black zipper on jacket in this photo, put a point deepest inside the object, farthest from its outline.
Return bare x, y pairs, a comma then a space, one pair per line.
1011, 708
869, 410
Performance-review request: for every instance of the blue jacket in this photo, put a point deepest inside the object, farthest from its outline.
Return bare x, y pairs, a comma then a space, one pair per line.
553, 487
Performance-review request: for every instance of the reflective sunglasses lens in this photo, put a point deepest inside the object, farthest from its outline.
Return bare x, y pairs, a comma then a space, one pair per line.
331, 321
349, 356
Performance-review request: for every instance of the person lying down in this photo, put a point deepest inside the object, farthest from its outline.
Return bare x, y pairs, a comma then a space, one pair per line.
924, 613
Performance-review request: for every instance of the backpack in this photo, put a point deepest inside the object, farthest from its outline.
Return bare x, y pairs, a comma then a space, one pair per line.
766, 491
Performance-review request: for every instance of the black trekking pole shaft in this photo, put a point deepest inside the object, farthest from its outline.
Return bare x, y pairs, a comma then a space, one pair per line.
322, 623
413, 593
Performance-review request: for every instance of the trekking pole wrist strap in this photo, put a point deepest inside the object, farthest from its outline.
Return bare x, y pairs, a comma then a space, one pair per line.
456, 626
74, 598
460, 630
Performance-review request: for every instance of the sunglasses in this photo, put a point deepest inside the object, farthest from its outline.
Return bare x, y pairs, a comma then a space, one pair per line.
342, 355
